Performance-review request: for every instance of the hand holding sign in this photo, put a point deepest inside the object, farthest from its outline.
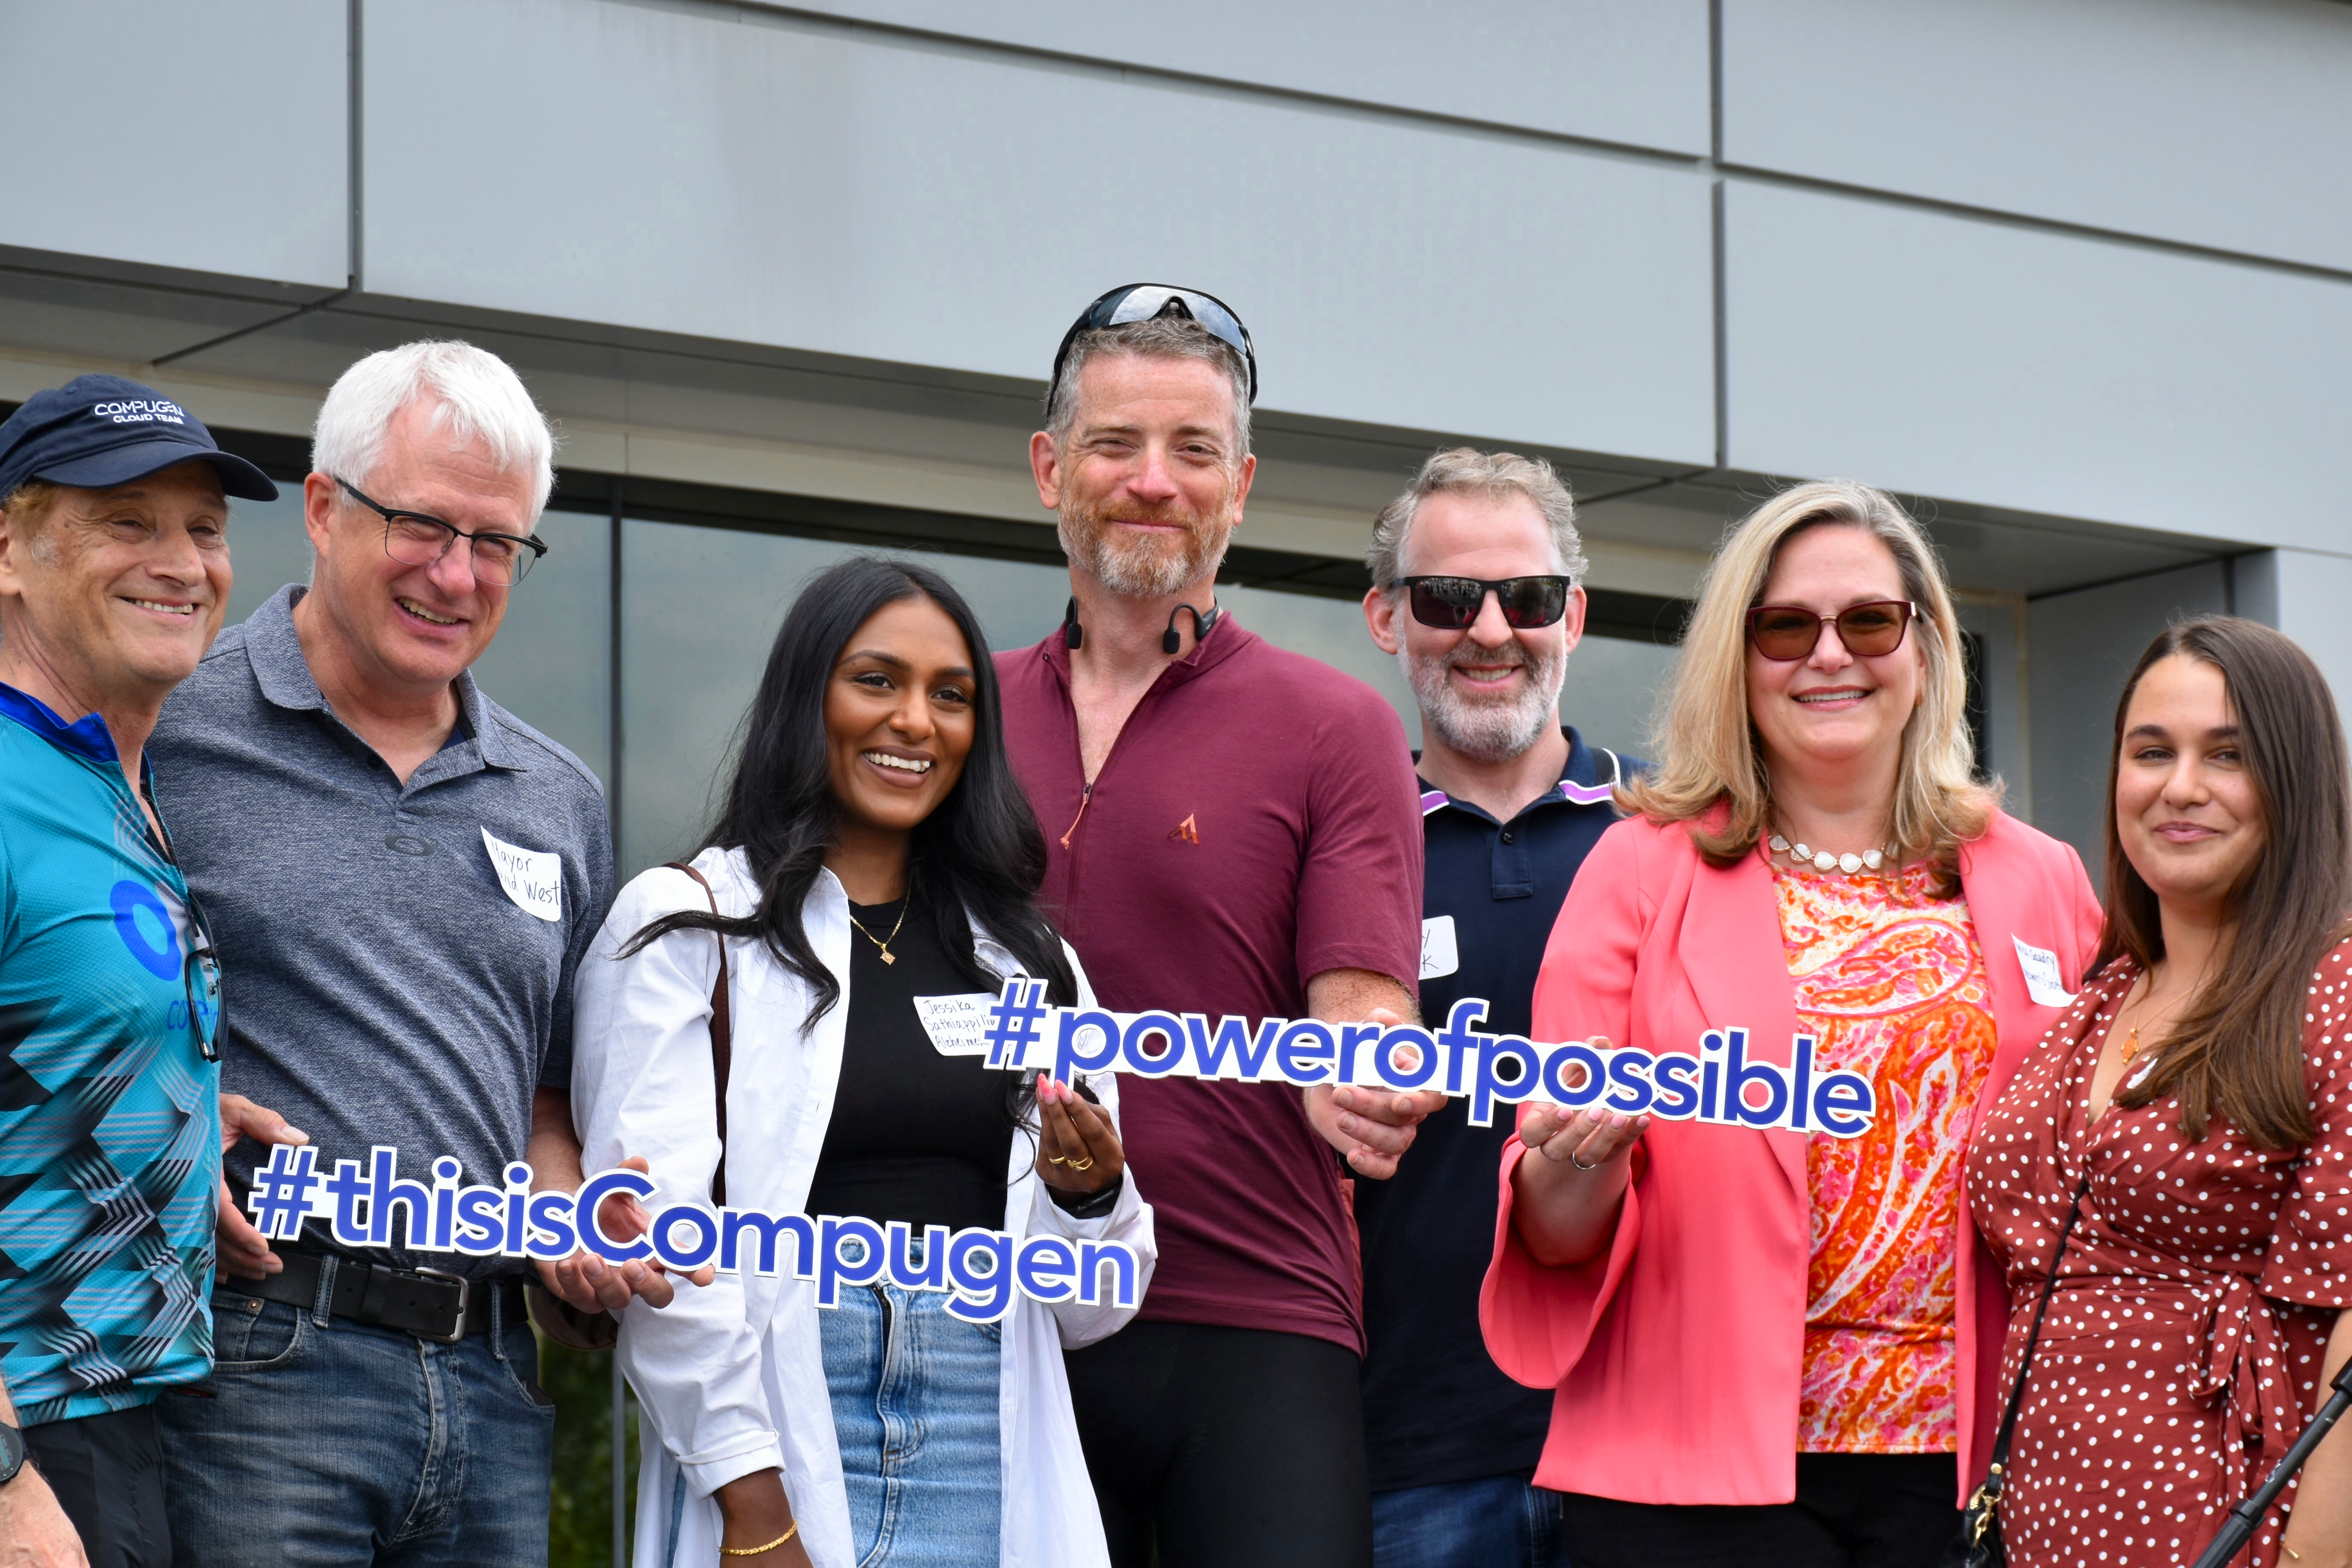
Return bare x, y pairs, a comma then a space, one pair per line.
242, 1250
1371, 1128
1585, 1140
1077, 1148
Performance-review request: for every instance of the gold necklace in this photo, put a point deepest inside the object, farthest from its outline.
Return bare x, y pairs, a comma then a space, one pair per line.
2131, 1037
884, 942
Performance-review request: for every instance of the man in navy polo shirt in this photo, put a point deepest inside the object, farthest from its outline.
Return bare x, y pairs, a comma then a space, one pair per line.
1475, 569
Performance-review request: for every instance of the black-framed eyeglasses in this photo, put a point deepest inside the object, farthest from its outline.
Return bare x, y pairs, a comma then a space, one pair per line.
1453, 603
419, 539
1787, 633
1142, 301
200, 977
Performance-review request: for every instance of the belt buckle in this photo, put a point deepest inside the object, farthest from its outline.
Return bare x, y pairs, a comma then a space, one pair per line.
457, 1335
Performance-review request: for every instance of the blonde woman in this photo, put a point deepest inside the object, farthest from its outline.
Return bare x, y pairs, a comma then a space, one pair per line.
1770, 1349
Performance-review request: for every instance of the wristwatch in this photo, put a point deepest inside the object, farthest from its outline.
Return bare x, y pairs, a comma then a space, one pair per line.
12, 1453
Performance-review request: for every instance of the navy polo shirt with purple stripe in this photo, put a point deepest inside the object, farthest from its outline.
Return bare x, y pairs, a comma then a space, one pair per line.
1436, 1408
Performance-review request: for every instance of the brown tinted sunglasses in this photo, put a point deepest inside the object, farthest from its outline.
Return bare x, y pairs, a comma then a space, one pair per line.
1787, 633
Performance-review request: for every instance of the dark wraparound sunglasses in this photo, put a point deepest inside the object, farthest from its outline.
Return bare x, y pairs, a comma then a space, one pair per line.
1451, 604
419, 539
1142, 301
1786, 633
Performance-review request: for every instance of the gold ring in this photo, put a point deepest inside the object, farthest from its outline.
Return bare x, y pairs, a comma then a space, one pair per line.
1085, 1164
1056, 1160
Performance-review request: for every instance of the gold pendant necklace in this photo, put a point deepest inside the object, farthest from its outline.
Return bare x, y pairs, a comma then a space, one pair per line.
884, 942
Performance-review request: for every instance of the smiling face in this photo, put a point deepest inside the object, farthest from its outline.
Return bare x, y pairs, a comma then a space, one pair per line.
1148, 481
409, 630
113, 595
2187, 809
1830, 712
899, 717
1490, 692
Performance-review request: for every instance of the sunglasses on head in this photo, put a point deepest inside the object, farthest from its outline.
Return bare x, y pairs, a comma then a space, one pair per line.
1143, 302
1453, 603
1786, 633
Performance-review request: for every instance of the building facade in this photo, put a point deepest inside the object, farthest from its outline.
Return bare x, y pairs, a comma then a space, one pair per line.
2074, 277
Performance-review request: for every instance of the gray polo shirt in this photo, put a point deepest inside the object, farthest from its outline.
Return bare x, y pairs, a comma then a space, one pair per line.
381, 985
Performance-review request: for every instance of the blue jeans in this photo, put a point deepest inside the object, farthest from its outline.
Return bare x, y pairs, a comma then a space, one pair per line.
1501, 1522
335, 1443
915, 1406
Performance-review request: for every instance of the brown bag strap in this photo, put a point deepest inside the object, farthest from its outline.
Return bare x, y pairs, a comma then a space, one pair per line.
723, 1038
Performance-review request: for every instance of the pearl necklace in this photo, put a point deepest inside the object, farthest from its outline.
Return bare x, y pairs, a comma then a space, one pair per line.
1804, 854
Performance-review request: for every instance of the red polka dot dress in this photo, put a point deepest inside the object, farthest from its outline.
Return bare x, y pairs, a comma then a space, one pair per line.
2183, 1346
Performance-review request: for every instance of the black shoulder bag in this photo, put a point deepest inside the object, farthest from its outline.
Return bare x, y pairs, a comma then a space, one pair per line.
1979, 1544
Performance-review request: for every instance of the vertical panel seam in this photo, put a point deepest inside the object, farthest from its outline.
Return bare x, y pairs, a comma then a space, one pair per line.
355, 122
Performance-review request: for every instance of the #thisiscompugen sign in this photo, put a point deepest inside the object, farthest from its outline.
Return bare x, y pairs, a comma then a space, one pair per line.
1718, 1083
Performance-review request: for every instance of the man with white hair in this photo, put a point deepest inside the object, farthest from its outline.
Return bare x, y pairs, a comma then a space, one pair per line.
1474, 570
407, 876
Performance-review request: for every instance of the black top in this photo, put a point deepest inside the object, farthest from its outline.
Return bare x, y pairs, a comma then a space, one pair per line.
1436, 1408
915, 1135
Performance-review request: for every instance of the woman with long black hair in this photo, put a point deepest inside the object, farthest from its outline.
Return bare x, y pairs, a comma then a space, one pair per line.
874, 850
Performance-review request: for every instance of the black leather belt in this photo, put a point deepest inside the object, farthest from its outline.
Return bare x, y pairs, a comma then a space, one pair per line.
421, 1301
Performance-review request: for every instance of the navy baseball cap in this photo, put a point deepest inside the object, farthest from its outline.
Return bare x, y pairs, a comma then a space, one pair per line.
98, 431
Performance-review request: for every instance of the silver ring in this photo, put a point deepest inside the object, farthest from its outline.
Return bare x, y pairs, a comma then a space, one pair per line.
1580, 1164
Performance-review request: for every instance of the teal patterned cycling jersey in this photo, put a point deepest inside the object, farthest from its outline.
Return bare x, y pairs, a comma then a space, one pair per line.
109, 1119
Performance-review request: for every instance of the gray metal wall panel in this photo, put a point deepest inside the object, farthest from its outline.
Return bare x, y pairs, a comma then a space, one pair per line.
1946, 356
2308, 593
2219, 124
210, 138
762, 184
1632, 71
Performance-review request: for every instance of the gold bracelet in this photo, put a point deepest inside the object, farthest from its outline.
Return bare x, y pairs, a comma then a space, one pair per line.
755, 1551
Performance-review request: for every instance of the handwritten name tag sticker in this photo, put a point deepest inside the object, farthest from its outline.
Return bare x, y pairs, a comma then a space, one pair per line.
2043, 983
1438, 953
956, 1023
532, 879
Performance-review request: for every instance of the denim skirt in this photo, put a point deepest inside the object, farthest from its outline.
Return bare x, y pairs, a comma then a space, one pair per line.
915, 1408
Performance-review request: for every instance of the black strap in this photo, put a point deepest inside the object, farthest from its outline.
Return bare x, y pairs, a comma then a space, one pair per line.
1992, 1487
722, 1037
378, 1293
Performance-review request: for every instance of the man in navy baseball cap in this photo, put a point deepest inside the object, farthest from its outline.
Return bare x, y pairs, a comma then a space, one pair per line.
99, 431
114, 576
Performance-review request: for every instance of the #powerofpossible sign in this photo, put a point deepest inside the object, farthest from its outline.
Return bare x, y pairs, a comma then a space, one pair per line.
1718, 1083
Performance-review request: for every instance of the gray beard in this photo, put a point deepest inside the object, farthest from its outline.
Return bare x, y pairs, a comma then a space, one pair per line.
1487, 731
1138, 568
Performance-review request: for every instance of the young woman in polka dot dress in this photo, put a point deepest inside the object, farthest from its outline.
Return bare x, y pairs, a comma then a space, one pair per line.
2203, 1078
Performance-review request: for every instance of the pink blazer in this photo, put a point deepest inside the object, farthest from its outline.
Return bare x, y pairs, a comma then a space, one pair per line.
1677, 1356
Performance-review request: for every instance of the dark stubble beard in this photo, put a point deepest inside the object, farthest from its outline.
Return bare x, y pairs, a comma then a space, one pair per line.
1142, 566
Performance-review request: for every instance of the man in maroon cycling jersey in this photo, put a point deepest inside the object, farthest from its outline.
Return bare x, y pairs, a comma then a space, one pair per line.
1232, 829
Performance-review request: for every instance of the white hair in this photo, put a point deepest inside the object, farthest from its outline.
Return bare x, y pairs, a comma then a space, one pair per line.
475, 397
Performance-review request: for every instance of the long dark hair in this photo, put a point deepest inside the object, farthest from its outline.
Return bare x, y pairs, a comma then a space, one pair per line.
2237, 1048
979, 856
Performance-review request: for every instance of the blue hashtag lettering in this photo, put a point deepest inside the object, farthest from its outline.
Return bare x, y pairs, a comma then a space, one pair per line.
1014, 1020
284, 1192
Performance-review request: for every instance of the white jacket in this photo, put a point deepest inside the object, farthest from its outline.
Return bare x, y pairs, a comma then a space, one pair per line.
731, 1376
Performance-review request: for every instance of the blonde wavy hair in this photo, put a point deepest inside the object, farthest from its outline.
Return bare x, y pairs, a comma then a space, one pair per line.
1708, 753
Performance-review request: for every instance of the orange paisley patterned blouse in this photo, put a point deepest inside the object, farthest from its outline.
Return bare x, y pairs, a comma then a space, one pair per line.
1891, 984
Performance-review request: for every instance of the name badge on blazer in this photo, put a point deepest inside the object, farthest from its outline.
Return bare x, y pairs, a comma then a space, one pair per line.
2043, 981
